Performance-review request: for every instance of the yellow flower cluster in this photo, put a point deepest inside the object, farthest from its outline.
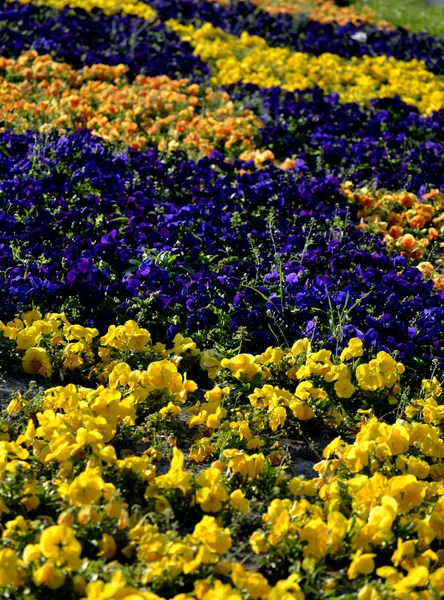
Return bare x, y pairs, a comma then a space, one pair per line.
402, 447
109, 7
379, 504
407, 224
326, 381
39, 93
52, 342
85, 488
251, 60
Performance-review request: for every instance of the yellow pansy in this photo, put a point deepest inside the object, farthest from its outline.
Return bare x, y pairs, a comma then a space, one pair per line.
86, 488
255, 583
239, 502
211, 535
59, 544
9, 567
362, 564
354, 350
36, 361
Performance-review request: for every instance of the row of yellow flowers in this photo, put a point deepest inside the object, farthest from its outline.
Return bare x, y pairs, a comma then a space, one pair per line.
251, 60
97, 477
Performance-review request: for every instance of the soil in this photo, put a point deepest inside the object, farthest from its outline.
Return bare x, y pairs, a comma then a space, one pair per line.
11, 385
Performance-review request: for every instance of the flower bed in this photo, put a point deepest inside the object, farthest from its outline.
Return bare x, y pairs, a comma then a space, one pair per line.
233, 298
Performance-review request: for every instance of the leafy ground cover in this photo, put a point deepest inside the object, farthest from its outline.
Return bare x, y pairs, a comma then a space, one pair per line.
221, 270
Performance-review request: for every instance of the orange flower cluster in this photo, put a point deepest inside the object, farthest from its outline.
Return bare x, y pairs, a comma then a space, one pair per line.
39, 93
409, 225
323, 11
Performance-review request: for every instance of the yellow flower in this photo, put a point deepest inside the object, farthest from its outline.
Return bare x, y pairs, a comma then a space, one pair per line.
270, 356
72, 361
403, 550
250, 466
417, 467
119, 375
417, 577
396, 437
389, 369
255, 583
436, 579
215, 591
78, 332
210, 362
211, 535
211, 499
258, 542
9, 574
27, 338
36, 361
302, 487
239, 502
287, 589
16, 527
183, 344
301, 410
86, 488
170, 409
201, 450
315, 532
136, 337
99, 590
407, 491
302, 346
50, 575
344, 388
357, 457
353, 350
59, 544
31, 553
163, 374
209, 477
362, 564
176, 476
107, 546
338, 525
368, 377
368, 592
277, 417
116, 589
30, 316
242, 364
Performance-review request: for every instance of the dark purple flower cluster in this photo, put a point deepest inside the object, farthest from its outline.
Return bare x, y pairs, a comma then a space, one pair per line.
211, 248
304, 35
81, 38
388, 144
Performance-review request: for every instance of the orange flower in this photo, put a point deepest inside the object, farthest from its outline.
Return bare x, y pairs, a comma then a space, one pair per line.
407, 241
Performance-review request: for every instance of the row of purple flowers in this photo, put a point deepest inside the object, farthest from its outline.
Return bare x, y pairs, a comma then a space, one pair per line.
223, 251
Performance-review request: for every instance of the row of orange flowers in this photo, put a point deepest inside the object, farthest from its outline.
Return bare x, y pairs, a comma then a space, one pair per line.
39, 93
